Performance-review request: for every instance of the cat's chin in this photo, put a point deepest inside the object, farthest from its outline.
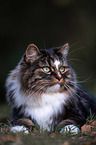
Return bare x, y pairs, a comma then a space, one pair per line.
53, 89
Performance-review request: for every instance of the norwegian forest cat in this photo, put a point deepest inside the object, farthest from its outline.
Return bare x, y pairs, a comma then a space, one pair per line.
43, 91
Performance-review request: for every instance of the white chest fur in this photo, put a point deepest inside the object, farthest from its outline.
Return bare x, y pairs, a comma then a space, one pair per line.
48, 105
43, 108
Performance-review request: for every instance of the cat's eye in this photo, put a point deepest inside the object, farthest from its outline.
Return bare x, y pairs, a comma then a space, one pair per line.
62, 69
46, 69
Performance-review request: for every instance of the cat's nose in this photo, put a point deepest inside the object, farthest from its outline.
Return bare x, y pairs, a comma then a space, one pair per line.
61, 81
59, 77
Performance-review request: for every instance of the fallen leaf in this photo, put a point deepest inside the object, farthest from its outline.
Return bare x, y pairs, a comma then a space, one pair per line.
66, 143
7, 138
86, 128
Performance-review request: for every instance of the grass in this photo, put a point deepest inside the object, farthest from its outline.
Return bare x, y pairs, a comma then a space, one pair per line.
37, 137
45, 138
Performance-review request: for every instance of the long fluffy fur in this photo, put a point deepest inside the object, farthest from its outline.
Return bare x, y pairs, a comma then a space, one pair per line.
40, 96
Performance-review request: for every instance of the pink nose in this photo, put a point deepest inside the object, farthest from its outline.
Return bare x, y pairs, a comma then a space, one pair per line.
61, 81
59, 77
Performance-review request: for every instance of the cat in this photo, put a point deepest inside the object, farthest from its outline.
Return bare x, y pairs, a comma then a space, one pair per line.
43, 89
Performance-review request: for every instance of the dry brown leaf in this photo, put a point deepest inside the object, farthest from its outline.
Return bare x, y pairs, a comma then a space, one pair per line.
66, 143
7, 138
86, 128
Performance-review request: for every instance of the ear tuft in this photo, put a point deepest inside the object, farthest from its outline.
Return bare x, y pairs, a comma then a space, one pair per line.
64, 49
32, 51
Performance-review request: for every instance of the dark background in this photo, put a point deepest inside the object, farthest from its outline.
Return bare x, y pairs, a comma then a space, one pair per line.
49, 23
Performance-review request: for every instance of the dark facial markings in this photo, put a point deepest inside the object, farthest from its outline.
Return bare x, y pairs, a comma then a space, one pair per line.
59, 74
45, 71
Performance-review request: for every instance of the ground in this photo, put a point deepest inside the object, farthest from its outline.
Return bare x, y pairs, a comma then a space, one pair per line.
36, 137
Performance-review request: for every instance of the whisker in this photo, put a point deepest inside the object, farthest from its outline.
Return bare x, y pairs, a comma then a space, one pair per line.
77, 60
75, 50
82, 97
73, 91
73, 77
68, 88
44, 45
36, 91
82, 81
86, 80
74, 44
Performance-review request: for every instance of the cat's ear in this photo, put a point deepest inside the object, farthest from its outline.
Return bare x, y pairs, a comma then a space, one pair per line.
32, 52
64, 49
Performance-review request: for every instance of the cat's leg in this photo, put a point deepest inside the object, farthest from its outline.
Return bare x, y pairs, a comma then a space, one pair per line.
68, 126
18, 128
72, 129
22, 125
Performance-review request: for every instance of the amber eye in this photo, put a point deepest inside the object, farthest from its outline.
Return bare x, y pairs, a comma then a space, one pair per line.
46, 69
62, 69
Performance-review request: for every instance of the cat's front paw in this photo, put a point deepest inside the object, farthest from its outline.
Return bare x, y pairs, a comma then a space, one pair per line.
16, 129
72, 129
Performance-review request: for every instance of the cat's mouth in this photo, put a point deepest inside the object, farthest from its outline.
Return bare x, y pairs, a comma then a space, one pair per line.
53, 89
56, 86
60, 86
60, 81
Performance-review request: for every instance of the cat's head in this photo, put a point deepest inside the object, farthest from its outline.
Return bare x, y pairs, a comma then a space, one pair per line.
46, 70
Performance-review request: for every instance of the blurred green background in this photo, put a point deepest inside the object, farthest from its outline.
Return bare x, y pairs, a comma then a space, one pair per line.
49, 23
